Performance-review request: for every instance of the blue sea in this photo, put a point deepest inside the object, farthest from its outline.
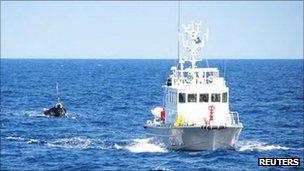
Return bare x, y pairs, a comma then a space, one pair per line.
109, 101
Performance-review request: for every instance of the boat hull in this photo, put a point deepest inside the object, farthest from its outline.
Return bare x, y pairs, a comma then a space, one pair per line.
195, 138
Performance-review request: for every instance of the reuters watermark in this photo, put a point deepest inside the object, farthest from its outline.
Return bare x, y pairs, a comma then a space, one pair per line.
279, 162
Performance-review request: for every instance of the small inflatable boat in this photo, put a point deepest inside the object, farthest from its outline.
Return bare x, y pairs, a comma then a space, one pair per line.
57, 110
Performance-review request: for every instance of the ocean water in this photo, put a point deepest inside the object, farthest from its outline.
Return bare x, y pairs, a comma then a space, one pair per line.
108, 102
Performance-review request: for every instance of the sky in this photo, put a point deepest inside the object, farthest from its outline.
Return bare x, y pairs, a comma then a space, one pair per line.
148, 29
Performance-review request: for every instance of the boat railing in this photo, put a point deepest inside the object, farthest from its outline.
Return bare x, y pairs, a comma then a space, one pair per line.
234, 118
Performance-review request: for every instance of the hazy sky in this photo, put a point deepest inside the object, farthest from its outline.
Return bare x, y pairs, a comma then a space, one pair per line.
135, 29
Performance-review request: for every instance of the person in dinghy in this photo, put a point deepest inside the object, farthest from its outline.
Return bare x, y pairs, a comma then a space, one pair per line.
58, 110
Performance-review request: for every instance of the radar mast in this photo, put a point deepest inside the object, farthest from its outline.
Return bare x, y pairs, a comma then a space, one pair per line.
192, 42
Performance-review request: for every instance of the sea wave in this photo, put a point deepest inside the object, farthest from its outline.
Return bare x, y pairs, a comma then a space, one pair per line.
75, 142
161, 168
137, 145
27, 140
15, 138
29, 113
258, 146
33, 113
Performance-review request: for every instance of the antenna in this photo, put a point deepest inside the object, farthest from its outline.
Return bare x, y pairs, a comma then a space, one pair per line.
57, 89
180, 59
178, 30
207, 35
206, 38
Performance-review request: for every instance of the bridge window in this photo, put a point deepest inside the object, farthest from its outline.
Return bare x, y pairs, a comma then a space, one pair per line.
182, 97
215, 97
192, 97
224, 97
203, 97
169, 82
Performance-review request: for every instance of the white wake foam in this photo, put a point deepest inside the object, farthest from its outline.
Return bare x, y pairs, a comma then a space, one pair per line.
15, 138
33, 113
75, 142
258, 146
28, 140
142, 146
29, 113
32, 141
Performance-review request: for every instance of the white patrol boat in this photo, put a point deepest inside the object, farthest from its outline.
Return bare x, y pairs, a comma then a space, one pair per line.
195, 114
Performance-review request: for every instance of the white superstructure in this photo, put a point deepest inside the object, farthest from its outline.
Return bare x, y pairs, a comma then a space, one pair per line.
194, 96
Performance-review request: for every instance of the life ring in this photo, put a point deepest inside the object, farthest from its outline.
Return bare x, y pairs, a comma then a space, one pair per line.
149, 122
